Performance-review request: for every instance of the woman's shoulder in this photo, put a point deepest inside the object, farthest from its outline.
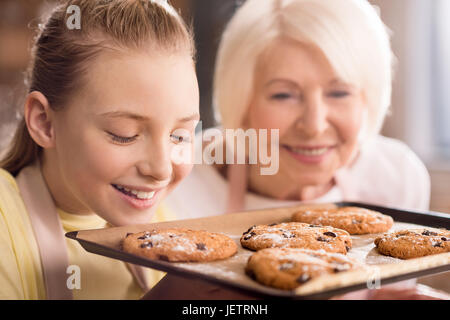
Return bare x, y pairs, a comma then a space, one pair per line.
397, 155
388, 172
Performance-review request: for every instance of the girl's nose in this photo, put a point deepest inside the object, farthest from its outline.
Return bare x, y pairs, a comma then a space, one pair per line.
156, 163
313, 119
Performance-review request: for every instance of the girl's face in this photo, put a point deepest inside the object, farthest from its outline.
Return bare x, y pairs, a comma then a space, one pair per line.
318, 115
115, 137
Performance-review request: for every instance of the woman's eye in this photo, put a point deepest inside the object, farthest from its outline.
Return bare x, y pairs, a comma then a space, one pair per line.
338, 94
281, 96
121, 139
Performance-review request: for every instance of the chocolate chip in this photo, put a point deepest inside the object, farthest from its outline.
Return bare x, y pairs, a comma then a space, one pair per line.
201, 246
145, 236
331, 234
437, 244
429, 233
444, 239
147, 245
288, 235
347, 248
303, 278
249, 229
322, 239
163, 257
248, 236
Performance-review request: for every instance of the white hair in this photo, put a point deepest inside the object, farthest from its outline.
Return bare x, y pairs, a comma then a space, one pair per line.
350, 33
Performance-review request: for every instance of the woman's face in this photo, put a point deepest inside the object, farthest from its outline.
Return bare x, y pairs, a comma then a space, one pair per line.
318, 115
115, 137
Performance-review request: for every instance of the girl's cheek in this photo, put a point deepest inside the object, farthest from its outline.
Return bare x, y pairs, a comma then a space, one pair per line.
181, 171
108, 159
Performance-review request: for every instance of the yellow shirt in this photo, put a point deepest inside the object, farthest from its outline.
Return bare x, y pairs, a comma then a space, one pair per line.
21, 275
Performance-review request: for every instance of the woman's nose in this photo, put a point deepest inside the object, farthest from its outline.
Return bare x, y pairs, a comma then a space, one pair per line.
156, 162
313, 119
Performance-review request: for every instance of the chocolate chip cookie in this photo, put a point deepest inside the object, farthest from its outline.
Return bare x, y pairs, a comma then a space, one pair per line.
288, 268
414, 243
297, 235
180, 245
355, 220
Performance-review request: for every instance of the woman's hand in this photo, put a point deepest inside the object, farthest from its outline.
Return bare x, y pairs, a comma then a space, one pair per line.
173, 287
419, 292
416, 292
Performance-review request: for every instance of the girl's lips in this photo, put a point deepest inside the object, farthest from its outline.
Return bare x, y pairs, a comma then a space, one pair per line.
132, 200
309, 155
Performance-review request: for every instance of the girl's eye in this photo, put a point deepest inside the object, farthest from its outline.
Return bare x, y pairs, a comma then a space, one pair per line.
180, 139
121, 139
338, 94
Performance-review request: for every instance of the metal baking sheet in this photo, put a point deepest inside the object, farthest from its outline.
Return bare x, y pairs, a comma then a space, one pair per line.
230, 272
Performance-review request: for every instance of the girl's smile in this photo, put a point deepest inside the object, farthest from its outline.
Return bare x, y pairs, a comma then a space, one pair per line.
137, 197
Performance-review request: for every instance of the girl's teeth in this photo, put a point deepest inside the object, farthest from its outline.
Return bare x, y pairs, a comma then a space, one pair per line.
139, 194
310, 152
145, 195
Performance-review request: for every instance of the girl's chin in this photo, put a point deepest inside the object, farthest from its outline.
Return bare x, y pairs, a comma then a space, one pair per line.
122, 219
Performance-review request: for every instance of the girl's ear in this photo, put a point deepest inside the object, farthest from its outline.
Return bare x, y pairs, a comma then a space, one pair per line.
38, 119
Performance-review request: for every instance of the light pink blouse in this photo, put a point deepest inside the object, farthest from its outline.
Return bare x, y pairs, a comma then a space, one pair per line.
385, 172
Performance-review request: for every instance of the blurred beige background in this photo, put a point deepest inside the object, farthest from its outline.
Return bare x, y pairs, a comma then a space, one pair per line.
421, 104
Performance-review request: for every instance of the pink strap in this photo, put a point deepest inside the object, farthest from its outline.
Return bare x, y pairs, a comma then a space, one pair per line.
48, 231
49, 235
139, 275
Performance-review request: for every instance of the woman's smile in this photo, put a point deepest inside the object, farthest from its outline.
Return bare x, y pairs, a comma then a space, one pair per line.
310, 154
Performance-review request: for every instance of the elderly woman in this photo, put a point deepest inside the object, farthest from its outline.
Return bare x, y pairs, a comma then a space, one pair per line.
320, 72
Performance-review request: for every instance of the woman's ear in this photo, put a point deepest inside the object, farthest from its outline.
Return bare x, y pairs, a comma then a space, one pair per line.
38, 119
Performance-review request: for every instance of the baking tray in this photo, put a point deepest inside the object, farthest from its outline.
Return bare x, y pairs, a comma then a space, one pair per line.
230, 272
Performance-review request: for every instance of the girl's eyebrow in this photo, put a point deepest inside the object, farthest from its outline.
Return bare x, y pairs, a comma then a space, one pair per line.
124, 114
194, 116
135, 116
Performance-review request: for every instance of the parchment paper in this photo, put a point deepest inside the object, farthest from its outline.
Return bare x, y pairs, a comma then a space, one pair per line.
231, 270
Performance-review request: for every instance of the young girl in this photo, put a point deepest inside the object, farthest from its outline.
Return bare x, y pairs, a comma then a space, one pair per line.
105, 99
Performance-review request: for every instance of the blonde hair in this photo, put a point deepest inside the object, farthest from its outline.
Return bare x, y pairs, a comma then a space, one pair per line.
61, 56
349, 32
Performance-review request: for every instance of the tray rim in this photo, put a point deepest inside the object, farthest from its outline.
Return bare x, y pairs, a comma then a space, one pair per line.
268, 292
